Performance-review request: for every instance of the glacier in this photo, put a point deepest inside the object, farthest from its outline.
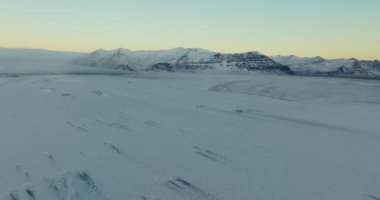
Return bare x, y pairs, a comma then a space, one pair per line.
73, 132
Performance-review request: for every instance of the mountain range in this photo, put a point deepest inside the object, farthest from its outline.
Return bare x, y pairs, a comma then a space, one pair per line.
183, 59
193, 59
318, 66
180, 59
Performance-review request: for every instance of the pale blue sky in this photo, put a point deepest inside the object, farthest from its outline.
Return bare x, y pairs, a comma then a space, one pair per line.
330, 28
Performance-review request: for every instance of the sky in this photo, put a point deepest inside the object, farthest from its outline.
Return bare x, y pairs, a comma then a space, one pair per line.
328, 28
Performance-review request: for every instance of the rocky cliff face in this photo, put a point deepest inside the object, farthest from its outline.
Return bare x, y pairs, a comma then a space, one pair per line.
250, 61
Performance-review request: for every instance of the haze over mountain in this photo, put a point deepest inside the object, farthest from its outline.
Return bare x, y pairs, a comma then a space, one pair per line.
38, 61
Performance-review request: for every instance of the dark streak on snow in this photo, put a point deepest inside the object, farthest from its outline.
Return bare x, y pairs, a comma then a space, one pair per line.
78, 183
207, 156
115, 149
197, 148
152, 123
144, 197
120, 126
82, 129
13, 195
372, 197
51, 157
187, 189
200, 106
30, 193
70, 124
87, 179
210, 155
65, 94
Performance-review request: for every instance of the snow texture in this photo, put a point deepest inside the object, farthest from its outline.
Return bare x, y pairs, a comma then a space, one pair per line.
191, 136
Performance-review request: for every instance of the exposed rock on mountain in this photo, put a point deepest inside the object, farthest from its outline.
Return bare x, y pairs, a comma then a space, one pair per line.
318, 66
181, 59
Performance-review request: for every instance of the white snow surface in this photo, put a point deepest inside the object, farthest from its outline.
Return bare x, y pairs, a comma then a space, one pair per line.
173, 136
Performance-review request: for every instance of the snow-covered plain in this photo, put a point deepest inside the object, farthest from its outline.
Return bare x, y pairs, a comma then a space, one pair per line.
170, 136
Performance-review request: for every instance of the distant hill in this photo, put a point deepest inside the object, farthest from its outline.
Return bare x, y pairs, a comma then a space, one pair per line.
318, 66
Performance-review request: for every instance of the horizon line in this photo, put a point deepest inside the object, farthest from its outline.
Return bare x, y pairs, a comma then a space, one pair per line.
163, 49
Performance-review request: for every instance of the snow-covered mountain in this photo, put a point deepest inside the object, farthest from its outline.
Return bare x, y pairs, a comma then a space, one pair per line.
38, 61
318, 66
180, 59
192, 59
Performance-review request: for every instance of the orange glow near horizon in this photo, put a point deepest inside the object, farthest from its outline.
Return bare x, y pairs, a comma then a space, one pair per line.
324, 28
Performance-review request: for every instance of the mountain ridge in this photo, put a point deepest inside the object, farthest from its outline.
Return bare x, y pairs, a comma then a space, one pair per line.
197, 59
318, 66
180, 59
